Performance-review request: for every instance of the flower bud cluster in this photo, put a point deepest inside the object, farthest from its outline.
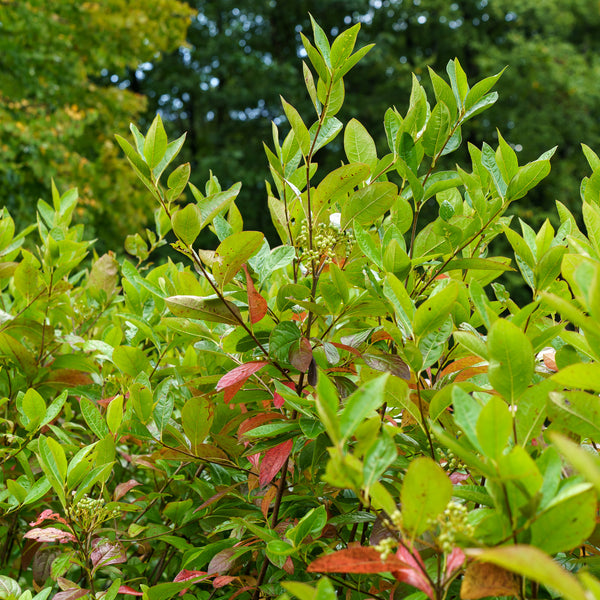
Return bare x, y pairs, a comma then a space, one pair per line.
453, 521
89, 513
386, 547
327, 242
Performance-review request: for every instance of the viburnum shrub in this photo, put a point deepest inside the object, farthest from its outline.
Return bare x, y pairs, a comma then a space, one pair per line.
364, 401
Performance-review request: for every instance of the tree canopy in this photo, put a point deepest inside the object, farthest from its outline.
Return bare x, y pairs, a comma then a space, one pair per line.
223, 86
57, 118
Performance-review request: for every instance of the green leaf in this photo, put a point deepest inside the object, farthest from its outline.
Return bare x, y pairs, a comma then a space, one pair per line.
584, 376
171, 152
311, 524
367, 245
343, 45
130, 360
358, 144
458, 80
338, 182
50, 467
321, 42
283, 339
186, 224
114, 413
435, 310
196, 420
466, 415
155, 144
215, 204
367, 204
368, 398
443, 92
426, 491
578, 412
534, 564
480, 89
327, 403
511, 360
380, 455
395, 292
34, 409
585, 462
567, 521
527, 178
233, 252
494, 427
310, 86
299, 128
204, 309
437, 131
93, 418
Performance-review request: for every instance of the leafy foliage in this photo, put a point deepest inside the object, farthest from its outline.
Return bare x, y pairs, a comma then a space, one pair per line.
57, 119
364, 401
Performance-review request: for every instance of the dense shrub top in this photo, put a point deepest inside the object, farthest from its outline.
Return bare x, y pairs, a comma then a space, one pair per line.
364, 401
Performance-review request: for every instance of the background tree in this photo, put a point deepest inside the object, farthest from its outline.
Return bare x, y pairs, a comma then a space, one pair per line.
222, 87
56, 117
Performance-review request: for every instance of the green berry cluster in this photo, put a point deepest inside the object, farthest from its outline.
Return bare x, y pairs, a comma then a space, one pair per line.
453, 521
327, 242
454, 464
88, 513
386, 547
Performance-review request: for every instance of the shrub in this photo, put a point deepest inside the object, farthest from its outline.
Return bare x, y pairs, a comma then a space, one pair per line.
364, 401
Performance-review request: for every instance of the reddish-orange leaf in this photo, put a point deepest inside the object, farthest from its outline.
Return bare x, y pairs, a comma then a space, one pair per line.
413, 572
346, 347
125, 589
355, 560
240, 373
47, 514
233, 381
222, 580
50, 534
273, 460
454, 561
257, 305
123, 488
380, 335
186, 575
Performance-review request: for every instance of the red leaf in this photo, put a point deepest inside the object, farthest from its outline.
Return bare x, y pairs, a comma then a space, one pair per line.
454, 561
413, 573
186, 575
458, 477
47, 514
273, 460
125, 589
355, 560
70, 594
50, 534
288, 565
254, 459
123, 488
233, 381
278, 399
222, 581
105, 552
301, 357
257, 305
346, 347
